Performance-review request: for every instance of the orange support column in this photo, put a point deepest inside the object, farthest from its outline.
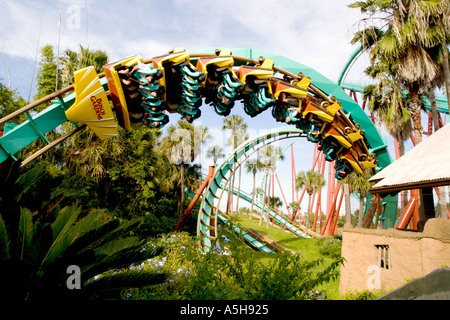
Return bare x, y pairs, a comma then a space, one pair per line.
195, 199
415, 216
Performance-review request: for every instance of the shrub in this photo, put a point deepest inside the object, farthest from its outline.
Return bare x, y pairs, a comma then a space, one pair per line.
330, 246
243, 274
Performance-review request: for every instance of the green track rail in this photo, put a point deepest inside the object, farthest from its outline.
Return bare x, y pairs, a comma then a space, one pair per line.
279, 219
242, 232
208, 215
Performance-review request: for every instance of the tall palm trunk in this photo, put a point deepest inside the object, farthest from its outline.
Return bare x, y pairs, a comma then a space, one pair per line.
442, 195
231, 193
181, 212
239, 192
307, 213
401, 152
253, 194
434, 112
361, 211
268, 203
264, 199
446, 68
416, 112
348, 210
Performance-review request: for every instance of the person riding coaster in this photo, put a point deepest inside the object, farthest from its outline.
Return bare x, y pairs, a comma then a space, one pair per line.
146, 74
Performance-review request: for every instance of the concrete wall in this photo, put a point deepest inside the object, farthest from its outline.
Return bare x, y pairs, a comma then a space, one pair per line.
411, 254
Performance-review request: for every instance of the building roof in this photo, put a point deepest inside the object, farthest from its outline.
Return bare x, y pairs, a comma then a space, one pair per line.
425, 165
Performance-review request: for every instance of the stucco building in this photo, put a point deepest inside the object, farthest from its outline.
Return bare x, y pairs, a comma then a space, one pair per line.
385, 259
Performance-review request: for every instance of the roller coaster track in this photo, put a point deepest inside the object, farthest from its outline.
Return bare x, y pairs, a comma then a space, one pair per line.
253, 240
137, 92
286, 224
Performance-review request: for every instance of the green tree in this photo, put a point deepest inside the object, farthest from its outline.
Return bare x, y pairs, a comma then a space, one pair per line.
269, 157
238, 128
439, 23
37, 247
127, 176
215, 152
178, 146
85, 57
313, 181
46, 78
253, 166
359, 183
388, 101
295, 206
10, 101
275, 202
405, 40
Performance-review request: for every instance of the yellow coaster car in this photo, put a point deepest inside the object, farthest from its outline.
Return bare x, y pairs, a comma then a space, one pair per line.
91, 106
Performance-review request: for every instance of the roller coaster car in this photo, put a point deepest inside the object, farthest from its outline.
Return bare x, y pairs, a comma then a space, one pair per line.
91, 106
248, 75
352, 160
221, 87
182, 83
342, 169
288, 93
257, 92
330, 147
118, 90
210, 65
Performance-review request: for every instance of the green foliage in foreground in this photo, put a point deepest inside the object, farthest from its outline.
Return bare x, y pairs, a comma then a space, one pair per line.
37, 260
330, 246
230, 274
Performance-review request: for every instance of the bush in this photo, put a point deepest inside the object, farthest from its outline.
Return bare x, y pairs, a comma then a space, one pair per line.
219, 275
330, 246
364, 295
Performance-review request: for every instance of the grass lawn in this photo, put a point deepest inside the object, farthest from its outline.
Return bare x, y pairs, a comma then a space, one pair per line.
307, 248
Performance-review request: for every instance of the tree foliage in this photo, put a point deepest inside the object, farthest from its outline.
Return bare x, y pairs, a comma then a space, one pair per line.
10, 101
46, 78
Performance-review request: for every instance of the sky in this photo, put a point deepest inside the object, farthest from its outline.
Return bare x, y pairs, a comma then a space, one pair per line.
314, 33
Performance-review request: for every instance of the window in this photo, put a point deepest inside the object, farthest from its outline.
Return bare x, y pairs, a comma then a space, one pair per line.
384, 258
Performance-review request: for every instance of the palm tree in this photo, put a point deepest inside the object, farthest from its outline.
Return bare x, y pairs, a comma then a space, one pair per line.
201, 135
215, 152
73, 61
440, 24
295, 206
47, 256
403, 40
388, 102
269, 157
313, 181
359, 183
178, 147
253, 166
238, 129
300, 183
275, 202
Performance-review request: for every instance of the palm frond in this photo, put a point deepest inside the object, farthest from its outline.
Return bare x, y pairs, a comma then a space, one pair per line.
25, 232
4, 247
122, 280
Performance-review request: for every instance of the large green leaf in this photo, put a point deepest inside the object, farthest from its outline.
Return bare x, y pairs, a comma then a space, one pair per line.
66, 218
4, 246
116, 246
25, 232
123, 280
71, 231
